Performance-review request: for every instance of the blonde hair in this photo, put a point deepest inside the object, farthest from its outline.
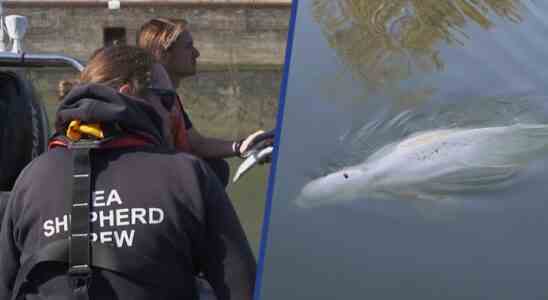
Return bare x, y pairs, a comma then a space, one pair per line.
158, 35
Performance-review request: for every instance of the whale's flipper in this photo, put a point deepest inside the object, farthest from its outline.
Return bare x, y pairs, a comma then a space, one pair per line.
429, 206
473, 178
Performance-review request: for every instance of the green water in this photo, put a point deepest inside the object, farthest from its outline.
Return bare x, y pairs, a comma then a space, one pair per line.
249, 196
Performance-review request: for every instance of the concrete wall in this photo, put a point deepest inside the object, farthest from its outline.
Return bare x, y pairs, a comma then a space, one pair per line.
224, 34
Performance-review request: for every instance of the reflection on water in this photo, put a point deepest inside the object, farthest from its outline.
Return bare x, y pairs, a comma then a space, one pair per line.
384, 41
417, 66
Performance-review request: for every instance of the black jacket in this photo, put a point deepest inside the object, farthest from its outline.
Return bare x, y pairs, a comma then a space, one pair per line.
165, 206
4, 196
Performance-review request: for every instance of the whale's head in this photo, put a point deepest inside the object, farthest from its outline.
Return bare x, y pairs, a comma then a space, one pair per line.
342, 186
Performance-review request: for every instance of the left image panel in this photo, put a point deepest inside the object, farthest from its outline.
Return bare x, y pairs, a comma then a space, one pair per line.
135, 146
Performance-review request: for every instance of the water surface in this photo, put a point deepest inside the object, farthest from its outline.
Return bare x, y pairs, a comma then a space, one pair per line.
367, 73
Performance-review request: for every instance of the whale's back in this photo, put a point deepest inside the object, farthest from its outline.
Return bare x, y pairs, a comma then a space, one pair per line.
493, 146
511, 145
419, 139
450, 160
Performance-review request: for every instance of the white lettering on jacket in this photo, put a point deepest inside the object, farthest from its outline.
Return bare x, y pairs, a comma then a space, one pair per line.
106, 220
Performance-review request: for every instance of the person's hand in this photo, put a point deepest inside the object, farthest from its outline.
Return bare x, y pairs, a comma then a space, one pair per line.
245, 145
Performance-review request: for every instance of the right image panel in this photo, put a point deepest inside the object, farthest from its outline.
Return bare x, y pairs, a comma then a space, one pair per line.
413, 154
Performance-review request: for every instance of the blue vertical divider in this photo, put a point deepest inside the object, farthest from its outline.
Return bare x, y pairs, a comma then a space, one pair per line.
275, 154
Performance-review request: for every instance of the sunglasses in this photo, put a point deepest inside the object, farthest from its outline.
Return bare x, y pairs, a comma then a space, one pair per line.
167, 96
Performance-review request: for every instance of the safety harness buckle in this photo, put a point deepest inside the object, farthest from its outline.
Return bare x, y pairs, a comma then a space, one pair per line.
85, 144
79, 276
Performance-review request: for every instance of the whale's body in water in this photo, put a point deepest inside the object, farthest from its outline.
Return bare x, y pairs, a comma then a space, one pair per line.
433, 164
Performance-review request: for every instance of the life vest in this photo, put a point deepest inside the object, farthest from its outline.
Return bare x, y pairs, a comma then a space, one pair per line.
178, 128
120, 142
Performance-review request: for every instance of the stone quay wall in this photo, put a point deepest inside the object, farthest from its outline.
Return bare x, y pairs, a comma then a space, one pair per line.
242, 45
243, 32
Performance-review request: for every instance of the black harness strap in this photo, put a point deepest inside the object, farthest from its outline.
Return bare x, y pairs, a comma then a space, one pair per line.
79, 247
79, 272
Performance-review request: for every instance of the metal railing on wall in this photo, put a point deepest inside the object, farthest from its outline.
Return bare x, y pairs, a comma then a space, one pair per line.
16, 26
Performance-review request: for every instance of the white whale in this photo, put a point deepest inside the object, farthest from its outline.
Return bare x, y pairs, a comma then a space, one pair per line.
434, 164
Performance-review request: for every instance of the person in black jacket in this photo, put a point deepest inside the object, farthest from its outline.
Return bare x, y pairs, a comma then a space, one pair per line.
161, 216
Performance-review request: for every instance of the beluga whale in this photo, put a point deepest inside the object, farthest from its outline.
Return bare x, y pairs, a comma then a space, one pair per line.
434, 165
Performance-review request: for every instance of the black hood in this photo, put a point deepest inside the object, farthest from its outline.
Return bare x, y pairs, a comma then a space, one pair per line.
94, 103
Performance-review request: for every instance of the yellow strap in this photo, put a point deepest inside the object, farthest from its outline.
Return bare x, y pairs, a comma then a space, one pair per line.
76, 129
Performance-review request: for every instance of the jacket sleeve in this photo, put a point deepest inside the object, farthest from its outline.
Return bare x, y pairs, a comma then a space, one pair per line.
227, 260
9, 252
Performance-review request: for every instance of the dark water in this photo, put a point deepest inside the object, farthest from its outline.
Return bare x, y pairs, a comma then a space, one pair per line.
365, 73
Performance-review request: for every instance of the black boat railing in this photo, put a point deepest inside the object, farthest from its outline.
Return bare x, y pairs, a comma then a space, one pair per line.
36, 60
16, 27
